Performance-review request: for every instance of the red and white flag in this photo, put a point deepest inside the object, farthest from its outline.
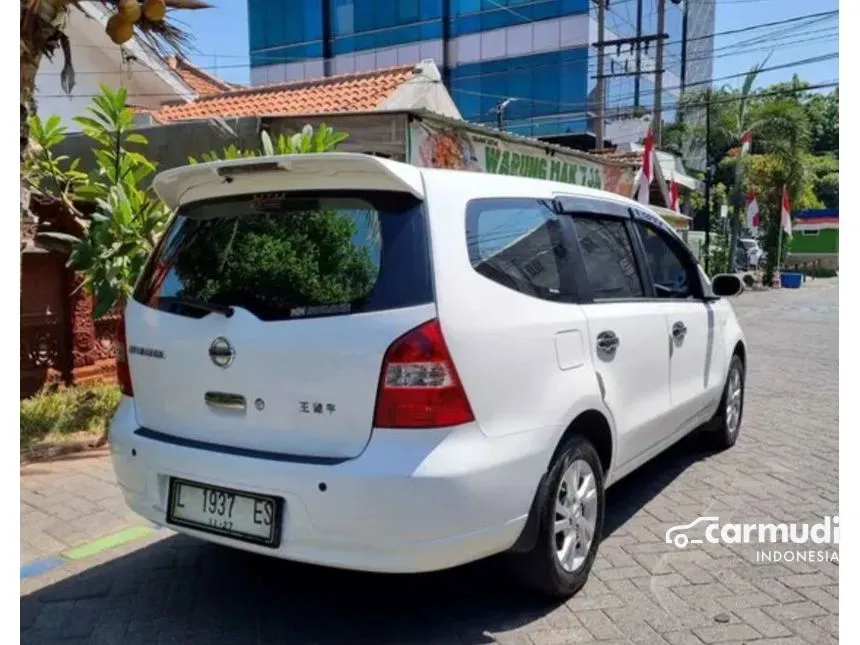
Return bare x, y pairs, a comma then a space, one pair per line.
746, 142
753, 216
785, 213
646, 173
674, 197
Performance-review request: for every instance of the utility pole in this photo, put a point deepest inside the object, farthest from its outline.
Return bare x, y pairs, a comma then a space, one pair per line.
601, 87
637, 79
635, 42
657, 121
708, 180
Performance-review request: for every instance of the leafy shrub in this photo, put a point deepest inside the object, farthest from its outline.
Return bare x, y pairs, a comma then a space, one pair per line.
821, 272
309, 140
53, 415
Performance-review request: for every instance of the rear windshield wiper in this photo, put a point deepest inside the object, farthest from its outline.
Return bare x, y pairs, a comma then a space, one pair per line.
224, 310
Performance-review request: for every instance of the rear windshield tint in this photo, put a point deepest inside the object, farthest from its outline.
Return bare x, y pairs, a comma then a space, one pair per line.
292, 255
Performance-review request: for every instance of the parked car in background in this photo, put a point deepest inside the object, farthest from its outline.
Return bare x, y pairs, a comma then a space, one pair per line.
751, 251
349, 361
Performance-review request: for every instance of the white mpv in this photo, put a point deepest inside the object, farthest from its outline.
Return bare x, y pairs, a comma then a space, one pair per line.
344, 360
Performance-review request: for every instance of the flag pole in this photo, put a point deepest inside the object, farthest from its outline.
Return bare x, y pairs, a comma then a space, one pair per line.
779, 250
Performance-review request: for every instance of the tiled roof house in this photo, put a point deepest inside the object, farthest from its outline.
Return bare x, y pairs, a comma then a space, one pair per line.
403, 87
203, 83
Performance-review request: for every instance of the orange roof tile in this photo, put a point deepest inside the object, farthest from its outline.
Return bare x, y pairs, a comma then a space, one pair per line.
201, 82
362, 91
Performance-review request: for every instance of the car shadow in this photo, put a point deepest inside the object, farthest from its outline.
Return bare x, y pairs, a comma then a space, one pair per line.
182, 590
628, 496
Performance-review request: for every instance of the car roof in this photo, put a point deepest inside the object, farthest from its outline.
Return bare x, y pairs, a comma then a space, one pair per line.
476, 185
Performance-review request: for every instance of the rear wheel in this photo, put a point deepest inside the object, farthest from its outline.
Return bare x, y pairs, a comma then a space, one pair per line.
571, 522
726, 424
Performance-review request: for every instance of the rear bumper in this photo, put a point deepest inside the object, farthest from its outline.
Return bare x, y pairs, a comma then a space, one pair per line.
413, 501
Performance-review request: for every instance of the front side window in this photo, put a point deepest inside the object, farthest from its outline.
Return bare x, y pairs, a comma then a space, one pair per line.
517, 243
607, 254
670, 271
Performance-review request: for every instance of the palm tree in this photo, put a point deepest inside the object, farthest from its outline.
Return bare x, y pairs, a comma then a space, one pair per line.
778, 124
43, 33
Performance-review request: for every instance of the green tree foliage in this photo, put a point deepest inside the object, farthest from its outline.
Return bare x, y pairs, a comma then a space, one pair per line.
823, 114
825, 176
118, 237
767, 175
795, 135
46, 172
129, 218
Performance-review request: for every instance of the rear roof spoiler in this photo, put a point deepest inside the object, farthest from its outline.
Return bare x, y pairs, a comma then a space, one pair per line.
330, 170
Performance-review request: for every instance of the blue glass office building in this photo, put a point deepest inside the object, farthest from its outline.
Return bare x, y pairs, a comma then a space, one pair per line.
537, 52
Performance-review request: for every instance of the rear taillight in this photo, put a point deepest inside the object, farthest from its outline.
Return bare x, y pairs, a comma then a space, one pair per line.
123, 374
419, 387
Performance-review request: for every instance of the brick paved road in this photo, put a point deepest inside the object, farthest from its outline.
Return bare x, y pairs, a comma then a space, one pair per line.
69, 502
169, 589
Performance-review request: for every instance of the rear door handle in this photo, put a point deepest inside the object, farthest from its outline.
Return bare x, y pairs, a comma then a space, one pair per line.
679, 330
225, 401
607, 342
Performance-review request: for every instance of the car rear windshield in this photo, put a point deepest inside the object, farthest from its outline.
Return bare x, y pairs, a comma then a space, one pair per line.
292, 255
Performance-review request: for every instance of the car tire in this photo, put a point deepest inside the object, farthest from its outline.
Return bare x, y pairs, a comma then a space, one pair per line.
541, 567
725, 427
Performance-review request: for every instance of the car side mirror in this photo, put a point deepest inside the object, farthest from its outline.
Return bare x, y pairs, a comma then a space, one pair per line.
726, 285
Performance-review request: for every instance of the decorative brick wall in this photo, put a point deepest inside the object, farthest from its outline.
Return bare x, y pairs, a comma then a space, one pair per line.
61, 343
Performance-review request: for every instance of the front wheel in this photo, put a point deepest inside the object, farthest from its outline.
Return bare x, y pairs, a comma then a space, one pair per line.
571, 522
726, 424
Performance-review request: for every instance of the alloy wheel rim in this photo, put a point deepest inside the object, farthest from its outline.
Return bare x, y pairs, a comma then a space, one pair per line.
575, 515
734, 401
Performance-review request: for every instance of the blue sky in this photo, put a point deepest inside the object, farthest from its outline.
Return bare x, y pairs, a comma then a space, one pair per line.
222, 39
792, 44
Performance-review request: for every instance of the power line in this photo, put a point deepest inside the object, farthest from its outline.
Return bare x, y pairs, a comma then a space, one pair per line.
691, 105
278, 58
730, 50
582, 107
760, 25
686, 105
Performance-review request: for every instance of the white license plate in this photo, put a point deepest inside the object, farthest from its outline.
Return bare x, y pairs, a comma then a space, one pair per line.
236, 514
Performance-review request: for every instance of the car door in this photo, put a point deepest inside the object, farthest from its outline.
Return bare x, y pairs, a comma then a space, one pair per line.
694, 366
627, 333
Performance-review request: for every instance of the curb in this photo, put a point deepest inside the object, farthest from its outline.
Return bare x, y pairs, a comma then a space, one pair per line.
83, 551
50, 452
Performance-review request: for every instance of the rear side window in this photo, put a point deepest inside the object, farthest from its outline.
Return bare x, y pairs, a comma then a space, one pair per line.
607, 253
518, 243
292, 255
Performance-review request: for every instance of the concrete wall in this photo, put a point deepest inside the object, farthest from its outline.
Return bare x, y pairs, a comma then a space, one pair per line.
378, 134
171, 145
810, 260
